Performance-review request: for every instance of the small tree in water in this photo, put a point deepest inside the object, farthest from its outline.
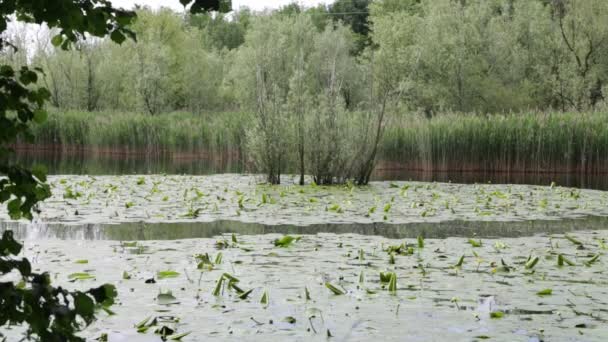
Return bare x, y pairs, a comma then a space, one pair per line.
293, 78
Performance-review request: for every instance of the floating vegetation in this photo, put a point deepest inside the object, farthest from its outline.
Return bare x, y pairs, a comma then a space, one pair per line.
169, 198
437, 278
167, 274
286, 241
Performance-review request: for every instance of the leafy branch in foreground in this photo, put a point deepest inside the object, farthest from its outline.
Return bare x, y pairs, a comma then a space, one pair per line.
50, 313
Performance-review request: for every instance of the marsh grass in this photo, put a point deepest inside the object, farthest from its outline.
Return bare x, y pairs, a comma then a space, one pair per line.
134, 132
526, 142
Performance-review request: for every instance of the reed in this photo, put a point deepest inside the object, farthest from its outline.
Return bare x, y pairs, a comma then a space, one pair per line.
134, 132
528, 142
525, 142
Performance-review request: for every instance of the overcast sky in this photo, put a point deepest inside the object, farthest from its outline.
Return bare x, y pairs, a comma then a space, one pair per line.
253, 4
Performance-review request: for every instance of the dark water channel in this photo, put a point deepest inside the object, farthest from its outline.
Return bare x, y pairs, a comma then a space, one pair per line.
82, 163
189, 230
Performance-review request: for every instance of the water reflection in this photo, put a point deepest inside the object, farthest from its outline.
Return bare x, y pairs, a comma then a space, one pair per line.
188, 230
114, 164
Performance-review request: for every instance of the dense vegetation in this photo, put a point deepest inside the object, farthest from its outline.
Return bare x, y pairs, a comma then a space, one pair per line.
320, 85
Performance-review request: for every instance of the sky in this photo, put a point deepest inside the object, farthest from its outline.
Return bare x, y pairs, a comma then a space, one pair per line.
253, 4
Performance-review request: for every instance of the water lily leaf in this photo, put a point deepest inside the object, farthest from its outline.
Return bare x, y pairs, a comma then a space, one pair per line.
334, 289
286, 241
497, 314
80, 276
561, 260
460, 261
592, 260
245, 294
531, 263
573, 240
178, 337
167, 274
475, 243
265, 298
392, 284
289, 319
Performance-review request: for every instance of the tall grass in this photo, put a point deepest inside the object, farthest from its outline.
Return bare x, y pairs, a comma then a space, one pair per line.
133, 132
528, 142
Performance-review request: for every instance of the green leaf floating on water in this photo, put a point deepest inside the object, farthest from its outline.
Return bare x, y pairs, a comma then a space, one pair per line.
80, 276
531, 262
167, 274
460, 261
286, 241
573, 240
265, 298
592, 260
561, 260
82, 261
178, 337
289, 319
392, 284
545, 292
497, 314
334, 289
245, 294
475, 243
420, 241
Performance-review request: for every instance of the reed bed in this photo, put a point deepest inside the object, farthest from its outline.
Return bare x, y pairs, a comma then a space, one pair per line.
528, 142
142, 133
525, 142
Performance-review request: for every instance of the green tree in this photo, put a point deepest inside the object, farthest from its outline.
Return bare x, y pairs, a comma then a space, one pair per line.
355, 14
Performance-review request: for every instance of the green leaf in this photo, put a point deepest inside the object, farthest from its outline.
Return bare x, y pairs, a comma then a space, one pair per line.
460, 261
80, 276
178, 337
531, 263
545, 292
286, 241
420, 241
497, 314
334, 289
117, 37
289, 319
475, 243
57, 40
40, 116
392, 284
167, 274
265, 298
84, 306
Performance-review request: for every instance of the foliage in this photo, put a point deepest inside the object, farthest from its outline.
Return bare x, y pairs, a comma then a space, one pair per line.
50, 313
